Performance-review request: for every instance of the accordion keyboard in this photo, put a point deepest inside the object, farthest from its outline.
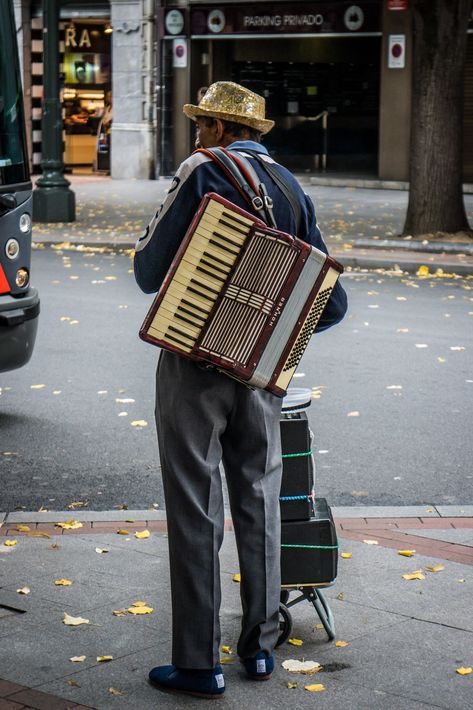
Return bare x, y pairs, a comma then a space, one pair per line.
200, 276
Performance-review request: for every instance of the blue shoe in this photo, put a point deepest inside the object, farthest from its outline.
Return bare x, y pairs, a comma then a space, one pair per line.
260, 667
201, 683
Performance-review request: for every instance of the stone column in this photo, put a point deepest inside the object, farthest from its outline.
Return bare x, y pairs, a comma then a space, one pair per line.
133, 146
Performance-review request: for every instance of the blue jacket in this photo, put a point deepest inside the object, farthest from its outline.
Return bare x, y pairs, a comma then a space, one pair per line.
198, 175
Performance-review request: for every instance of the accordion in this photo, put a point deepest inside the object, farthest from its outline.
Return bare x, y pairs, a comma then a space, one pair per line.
241, 297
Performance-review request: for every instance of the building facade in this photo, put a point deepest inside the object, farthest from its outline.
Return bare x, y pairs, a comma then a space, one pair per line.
336, 75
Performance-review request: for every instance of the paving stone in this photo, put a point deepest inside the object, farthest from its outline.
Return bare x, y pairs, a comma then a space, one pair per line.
83, 515
7, 688
462, 536
461, 511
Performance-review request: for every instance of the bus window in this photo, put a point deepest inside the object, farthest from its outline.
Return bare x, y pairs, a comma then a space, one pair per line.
19, 302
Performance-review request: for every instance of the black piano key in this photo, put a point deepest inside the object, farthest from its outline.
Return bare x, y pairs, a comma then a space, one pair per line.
209, 273
206, 286
229, 248
193, 305
208, 255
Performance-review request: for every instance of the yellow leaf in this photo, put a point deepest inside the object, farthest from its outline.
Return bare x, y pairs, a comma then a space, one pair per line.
69, 525
120, 612
341, 644
129, 520
140, 610
315, 687
139, 604
295, 642
24, 590
139, 423
226, 649
10, 543
463, 671
121, 531
77, 504
414, 575
37, 387
115, 691
78, 659
143, 535
435, 568
292, 685
23, 528
340, 597
226, 659
74, 620
423, 271
63, 582
102, 659
237, 577
101, 550
346, 555
370, 542
73, 683
406, 553
38, 534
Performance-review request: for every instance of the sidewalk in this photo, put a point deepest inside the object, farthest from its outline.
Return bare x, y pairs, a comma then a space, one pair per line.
358, 223
404, 638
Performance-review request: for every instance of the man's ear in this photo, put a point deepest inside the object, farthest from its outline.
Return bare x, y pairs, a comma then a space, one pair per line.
219, 129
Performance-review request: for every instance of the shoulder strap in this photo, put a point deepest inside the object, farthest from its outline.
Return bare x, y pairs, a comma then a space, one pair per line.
244, 177
283, 185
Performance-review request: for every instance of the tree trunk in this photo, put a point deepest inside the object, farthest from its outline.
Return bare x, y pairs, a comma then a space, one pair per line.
436, 164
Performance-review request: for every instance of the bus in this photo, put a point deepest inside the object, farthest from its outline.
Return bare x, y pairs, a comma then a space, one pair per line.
19, 302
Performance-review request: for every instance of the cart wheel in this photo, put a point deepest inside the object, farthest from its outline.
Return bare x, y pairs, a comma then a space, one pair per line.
285, 624
284, 596
325, 613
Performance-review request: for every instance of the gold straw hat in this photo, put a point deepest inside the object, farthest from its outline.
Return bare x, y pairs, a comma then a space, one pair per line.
232, 102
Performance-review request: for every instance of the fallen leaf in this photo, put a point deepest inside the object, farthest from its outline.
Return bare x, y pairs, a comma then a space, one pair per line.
303, 667
102, 659
346, 555
101, 550
23, 528
292, 685
226, 659
139, 604
143, 534
78, 659
38, 534
341, 644
73, 683
121, 531
139, 423
24, 590
10, 543
423, 271
406, 553
237, 577
463, 671
140, 610
340, 597
435, 568
74, 620
120, 612
414, 575
315, 687
226, 649
295, 642
115, 691
63, 582
353, 414
69, 525
77, 504
370, 542
37, 387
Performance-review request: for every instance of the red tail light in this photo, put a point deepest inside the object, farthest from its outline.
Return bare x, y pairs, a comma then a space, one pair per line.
4, 285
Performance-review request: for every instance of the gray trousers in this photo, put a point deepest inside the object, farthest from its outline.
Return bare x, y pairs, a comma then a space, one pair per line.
204, 417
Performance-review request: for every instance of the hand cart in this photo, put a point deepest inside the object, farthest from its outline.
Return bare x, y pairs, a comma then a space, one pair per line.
309, 547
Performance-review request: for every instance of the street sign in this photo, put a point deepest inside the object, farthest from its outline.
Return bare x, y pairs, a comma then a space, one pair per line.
397, 52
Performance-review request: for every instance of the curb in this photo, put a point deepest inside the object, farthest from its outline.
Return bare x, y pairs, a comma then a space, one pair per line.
352, 512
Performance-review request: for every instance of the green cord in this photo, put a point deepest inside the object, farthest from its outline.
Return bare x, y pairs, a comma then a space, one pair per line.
315, 547
290, 456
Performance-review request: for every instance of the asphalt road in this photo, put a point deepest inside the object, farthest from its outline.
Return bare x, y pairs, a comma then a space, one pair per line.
392, 411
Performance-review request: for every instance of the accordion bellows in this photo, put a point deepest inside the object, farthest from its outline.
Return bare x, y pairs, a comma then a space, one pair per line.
241, 296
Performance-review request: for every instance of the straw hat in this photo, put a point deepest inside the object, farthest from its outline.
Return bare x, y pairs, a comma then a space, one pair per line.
232, 102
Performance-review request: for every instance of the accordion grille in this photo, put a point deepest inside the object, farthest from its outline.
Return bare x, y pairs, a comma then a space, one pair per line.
308, 328
249, 299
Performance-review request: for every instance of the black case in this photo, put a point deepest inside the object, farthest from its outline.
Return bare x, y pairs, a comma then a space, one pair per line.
309, 566
298, 473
